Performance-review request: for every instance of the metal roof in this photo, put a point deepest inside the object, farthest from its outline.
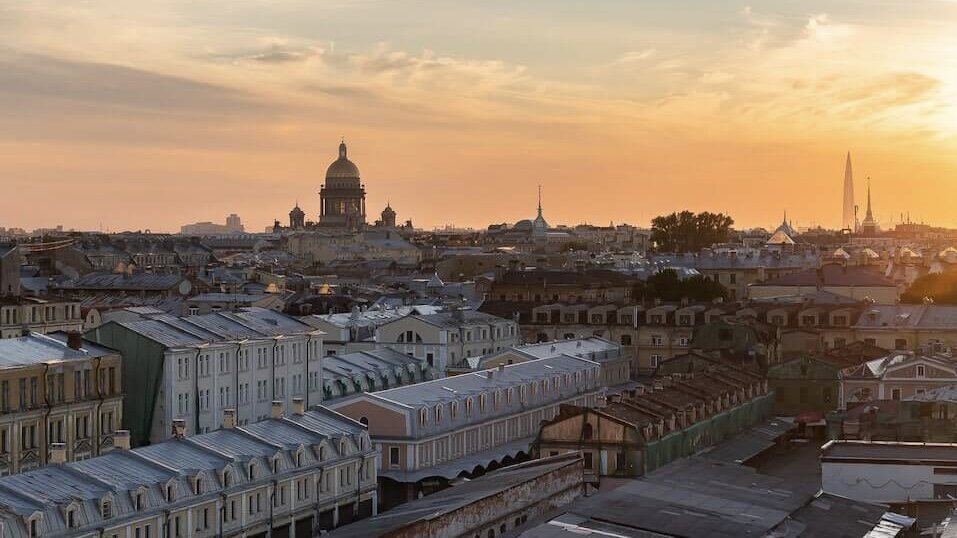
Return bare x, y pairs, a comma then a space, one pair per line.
43, 348
250, 322
866, 451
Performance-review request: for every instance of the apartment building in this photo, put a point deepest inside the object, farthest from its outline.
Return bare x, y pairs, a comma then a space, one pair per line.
56, 389
288, 476
192, 368
909, 327
433, 432
369, 371
356, 331
448, 339
900, 375
20, 314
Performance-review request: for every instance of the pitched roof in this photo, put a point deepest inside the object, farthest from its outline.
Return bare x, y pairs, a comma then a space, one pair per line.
831, 275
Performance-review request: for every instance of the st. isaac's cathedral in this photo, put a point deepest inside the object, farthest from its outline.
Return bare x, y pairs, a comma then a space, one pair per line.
342, 201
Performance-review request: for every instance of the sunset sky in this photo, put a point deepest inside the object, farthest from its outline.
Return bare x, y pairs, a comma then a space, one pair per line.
128, 115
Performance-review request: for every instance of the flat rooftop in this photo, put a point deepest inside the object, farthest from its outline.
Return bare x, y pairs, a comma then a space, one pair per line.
889, 452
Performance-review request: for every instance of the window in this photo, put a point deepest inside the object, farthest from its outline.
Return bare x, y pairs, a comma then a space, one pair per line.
896, 394
588, 460
106, 509
626, 339
71, 520
394, 455
900, 343
170, 493
423, 416
438, 413
921, 371
587, 431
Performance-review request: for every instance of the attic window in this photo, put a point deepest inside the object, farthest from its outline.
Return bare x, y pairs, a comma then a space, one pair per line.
71, 520
106, 509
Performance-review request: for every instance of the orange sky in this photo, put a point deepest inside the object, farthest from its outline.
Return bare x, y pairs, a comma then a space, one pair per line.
159, 114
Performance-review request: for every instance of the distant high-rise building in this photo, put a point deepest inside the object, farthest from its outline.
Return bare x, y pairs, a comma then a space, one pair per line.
848, 220
233, 223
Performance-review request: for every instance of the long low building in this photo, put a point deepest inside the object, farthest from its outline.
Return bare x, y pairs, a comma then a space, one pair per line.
492, 505
461, 426
288, 476
889, 472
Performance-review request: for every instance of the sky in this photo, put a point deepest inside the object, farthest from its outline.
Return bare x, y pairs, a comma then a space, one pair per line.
129, 115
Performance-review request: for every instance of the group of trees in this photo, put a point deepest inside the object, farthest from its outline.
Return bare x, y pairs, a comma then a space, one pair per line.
940, 288
667, 286
689, 232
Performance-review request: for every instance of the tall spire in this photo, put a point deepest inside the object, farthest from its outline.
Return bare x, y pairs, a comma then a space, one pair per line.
539, 201
869, 216
848, 219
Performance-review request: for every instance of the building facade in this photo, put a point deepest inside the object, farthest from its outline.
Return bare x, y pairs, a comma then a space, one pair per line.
448, 339
38, 314
289, 476
431, 433
57, 389
192, 368
342, 197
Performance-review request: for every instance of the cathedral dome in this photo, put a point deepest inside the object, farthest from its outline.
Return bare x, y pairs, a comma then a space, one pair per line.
342, 168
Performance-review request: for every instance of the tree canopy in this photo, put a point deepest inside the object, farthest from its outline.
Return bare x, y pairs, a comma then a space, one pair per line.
942, 288
666, 286
690, 232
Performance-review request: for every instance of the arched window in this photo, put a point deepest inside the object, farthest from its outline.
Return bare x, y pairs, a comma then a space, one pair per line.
106, 509
364, 421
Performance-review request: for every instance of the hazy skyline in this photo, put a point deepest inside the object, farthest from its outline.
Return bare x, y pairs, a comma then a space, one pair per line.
160, 114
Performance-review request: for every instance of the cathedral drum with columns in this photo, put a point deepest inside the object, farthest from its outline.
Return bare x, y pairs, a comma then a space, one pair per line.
343, 197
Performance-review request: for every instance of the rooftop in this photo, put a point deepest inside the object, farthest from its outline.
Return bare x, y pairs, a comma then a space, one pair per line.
44, 348
889, 452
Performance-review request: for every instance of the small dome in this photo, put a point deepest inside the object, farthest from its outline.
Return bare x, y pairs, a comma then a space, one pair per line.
523, 225
342, 168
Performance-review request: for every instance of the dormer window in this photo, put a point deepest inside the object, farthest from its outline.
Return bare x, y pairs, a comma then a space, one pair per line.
468, 407
170, 493
299, 458
33, 527
72, 521
322, 453
454, 410
198, 485
252, 470
438, 413
275, 465
106, 509
423, 416
482, 401
139, 501
227, 479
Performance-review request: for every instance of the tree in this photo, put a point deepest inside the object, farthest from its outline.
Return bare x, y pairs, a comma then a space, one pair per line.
689, 232
941, 288
667, 286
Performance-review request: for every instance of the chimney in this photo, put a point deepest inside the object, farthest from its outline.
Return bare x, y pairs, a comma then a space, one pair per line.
179, 428
501, 367
57, 453
74, 340
276, 409
298, 406
121, 439
229, 419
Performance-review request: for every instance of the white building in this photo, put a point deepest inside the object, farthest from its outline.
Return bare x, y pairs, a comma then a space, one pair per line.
192, 368
448, 339
889, 472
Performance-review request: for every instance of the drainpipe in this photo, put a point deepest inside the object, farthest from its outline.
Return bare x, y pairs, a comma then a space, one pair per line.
272, 370
44, 457
199, 350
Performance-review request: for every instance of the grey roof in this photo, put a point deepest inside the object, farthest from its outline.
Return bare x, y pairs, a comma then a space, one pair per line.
43, 348
365, 362
452, 468
251, 322
711, 261
697, 497
866, 451
248, 298
750, 443
920, 316
451, 500
468, 317
589, 347
114, 281
454, 387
